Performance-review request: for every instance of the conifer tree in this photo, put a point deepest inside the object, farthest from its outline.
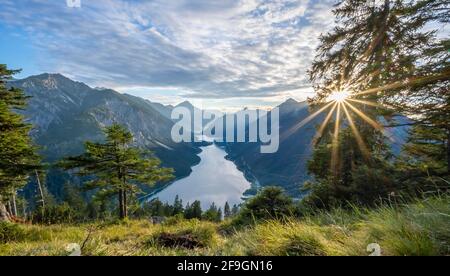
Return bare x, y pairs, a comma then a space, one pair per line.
234, 210
73, 197
119, 167
156, 207
227, 211
177, 206
193, 210
366, 54
18, 157
426, 98
196, 209
213, 214
270, 203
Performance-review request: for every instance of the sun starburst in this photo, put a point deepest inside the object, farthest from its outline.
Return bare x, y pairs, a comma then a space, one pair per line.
339, 105
339, 96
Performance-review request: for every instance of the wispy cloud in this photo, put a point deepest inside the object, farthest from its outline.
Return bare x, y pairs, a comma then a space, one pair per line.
208, 49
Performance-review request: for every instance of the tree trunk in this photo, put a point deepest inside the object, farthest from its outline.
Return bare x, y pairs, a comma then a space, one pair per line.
125, 203
4, 215
448, 150
24, 210
9, 208
41, 191
121, 209
14, 205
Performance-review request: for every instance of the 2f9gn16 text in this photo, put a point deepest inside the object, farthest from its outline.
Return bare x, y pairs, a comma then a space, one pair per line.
247, 266
226, 266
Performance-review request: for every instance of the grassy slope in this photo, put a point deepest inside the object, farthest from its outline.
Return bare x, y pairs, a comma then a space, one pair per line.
421, 228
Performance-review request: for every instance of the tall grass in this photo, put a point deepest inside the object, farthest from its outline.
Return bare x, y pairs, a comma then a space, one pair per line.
421, 227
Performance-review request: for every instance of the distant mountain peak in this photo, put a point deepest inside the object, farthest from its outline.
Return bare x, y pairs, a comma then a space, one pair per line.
51, 81
99, 88
55, 76
291, 105
291, 101
185, 104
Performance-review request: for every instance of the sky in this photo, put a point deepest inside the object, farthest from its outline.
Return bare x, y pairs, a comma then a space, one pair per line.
224, 54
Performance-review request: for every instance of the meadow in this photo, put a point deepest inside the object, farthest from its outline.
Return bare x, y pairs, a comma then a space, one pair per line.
418, 228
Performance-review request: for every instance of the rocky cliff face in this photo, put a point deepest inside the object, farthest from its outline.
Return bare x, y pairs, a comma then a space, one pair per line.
66, 113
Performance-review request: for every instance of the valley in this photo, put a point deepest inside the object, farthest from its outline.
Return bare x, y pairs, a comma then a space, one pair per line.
214, 180
65, 113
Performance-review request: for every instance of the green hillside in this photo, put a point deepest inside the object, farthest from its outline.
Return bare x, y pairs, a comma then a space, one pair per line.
419, 228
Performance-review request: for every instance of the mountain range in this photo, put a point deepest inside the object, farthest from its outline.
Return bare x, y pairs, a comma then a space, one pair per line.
288, 166
66, 113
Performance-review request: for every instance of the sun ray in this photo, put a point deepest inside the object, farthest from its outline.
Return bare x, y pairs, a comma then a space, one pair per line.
405, 83
306, 120
365, 117
343, 98
335, 143
339, 96
324, 124
362, 146
385, 106
365, 102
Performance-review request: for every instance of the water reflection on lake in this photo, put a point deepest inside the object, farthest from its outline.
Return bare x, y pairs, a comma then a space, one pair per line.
214, 179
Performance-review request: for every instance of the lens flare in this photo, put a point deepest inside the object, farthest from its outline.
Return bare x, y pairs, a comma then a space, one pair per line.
339, 96
341, 102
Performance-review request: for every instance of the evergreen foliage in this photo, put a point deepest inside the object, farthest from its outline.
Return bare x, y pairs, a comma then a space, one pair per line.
118, 167
18, 157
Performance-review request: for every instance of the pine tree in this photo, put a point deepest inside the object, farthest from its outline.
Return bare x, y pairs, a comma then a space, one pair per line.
234, 210
18, 157
188, 211
427, 97
219, 215
227, 211
118, 167
269, 203
423, 163
73, 197
156, 208
367, 54
213, 214
177, 206
193, 210
196, 209
168, 209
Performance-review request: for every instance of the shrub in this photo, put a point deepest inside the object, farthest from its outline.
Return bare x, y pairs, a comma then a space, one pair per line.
303, 245
10, 232
56, 214
270, 203
174, 220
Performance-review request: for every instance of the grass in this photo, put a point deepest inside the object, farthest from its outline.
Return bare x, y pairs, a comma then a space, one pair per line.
419, 228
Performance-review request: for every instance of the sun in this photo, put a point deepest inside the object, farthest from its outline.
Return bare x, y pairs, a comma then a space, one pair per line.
339, 96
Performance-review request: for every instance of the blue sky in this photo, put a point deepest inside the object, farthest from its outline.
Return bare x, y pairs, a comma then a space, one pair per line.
224, 54
17, 51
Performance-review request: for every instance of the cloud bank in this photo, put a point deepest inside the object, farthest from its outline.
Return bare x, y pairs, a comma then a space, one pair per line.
209, 49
